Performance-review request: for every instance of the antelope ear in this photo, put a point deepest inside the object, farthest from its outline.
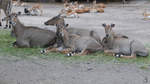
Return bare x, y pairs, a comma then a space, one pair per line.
104, 25
112, 25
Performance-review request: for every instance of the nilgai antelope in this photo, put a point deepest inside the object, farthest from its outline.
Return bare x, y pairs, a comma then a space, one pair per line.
55, 20
77, 45
146, 15
60, 20
29, 36
6, 6
122, 46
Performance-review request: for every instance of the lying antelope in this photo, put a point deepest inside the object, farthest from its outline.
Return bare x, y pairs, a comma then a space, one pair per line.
55, 20
75, 8
34, 10
146, 15
76, 45
121, 46
60, 20
30, 36
97, 7
69, 13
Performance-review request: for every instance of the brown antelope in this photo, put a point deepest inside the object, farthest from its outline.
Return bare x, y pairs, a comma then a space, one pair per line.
6, 6
36, 8
19, 3
146, 15
97, 7
29, 36
69, 13
122, 46
74, 8
77, 45
80, 8
83, 10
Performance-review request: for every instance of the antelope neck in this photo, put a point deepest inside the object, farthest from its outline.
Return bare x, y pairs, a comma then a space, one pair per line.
19, 27
110, 41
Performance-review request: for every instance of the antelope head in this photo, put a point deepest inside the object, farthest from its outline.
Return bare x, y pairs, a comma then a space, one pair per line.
108, 29
12, 18
55, 20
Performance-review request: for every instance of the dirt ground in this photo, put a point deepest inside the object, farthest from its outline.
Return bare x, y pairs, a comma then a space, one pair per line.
128, 20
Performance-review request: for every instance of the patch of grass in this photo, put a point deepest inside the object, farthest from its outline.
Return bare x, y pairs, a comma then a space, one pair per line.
6, 49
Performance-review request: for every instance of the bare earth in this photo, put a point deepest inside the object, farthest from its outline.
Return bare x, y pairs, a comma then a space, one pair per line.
128, 20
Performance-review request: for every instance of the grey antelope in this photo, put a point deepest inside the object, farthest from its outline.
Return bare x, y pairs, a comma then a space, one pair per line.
122, 46
30, 36
6, 6
60, 20
55, 20
77, 45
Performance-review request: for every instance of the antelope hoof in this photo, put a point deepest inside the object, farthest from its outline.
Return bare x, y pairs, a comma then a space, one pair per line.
6, 27
117, 55
14, 44
69, 54
9, 27
43, 51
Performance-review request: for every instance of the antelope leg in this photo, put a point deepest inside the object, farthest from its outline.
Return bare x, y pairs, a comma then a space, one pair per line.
66, 51
132, 56
83, 52
49, 49
109, 52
